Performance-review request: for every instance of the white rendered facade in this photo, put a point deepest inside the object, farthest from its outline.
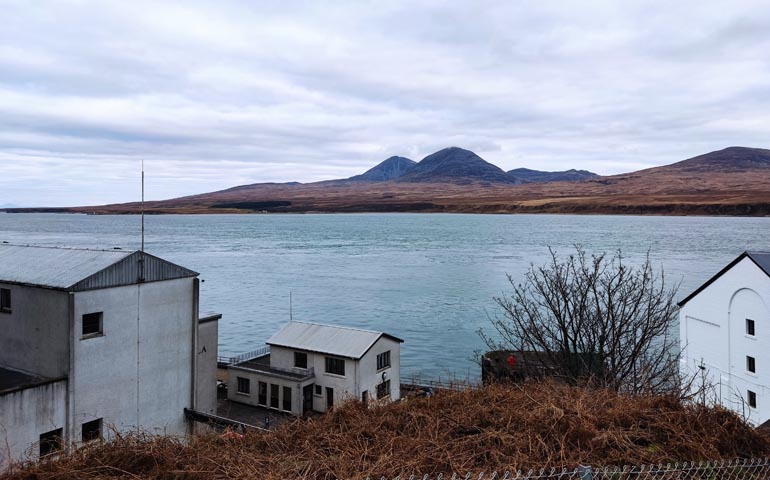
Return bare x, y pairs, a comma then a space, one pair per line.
309, 383
81, 361
725, 337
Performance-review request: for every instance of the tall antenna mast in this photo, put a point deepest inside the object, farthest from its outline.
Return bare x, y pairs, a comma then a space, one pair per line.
142, 205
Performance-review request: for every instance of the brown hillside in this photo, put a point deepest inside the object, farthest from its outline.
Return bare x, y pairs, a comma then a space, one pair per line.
733, 181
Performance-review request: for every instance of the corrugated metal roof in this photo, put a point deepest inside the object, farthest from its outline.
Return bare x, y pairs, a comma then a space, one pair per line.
53, 267
75, 269
339, 341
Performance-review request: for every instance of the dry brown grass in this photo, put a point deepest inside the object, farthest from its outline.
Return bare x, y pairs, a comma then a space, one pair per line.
495, 427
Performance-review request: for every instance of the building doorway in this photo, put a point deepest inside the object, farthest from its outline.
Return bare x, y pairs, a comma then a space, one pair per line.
365, 398
329, 397
307, 399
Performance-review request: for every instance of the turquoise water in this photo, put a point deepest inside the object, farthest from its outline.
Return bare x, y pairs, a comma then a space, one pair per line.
427, 278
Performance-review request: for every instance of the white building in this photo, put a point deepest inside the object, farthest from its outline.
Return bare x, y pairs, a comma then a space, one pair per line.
93, 340
725, 336
311, 367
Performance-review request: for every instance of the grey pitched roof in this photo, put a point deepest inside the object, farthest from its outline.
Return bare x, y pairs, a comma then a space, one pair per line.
760, 259
338, 341
76, 269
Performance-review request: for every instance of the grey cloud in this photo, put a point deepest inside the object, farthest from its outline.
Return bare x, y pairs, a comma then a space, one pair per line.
217, 95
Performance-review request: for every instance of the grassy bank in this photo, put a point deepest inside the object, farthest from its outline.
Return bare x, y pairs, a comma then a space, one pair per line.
482, 429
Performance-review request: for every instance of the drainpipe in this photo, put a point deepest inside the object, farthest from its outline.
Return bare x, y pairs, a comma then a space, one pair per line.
194, 365
69, 412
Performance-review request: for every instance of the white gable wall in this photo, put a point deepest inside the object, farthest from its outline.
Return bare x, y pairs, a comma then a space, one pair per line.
138, 373
713, 334
370, 377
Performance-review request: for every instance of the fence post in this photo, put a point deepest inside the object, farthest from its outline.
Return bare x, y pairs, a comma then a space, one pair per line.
584, 472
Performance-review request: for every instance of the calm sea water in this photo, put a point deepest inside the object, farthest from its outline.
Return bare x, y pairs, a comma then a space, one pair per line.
427, 278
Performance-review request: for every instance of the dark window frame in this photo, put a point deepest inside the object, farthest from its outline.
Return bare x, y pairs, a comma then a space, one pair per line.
383, 389
5, 300
92, 324
51, 442
300, 356
318, 391
286, 401
752, 399
262, 393
750, 327
383, 360
90, 431
275, 392
242, 382
334, 366
751, 364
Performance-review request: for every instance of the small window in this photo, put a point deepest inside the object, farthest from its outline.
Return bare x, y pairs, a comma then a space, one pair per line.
244, 386
752, 399
383, 389
92, 430
383, 360
300, 360
749, 327
5, 300
262, 394
274, 392
51, 442
287, 399
751, 364
319, 390
92, 323
335, 366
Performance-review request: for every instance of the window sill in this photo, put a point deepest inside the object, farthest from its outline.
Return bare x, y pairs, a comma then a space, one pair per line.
92, 335
336, 375
243, 394
5, 310
383, 369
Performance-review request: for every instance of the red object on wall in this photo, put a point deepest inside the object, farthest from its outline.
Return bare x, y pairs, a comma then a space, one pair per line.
511, 361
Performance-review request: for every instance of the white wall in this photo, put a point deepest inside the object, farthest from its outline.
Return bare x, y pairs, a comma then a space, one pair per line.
712, 328
27, 413
370, 377
35, 335
138, 374
206, 383
252, 398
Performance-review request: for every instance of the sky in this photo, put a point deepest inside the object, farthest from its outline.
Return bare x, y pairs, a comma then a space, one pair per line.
217, 94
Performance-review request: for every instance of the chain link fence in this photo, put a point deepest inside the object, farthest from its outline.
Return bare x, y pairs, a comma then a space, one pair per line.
749, 469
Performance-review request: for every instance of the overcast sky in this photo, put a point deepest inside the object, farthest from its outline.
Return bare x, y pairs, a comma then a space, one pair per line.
219, 94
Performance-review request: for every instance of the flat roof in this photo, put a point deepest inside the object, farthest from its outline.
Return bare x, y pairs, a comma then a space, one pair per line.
11, 380
333, 340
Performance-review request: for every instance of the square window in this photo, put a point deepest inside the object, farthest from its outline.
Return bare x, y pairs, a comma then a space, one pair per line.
262, 394
751, 364
91, 430
300, 360
319, 390
274, 392
5, 300
335, 366
287, 399
92, 323
383, 389
244, 386
51, 442
752, 399
749, 327
383, 360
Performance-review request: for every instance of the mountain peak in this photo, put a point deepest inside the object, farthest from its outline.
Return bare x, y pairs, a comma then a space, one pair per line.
730, 159
538, 176
456, 165
389, 169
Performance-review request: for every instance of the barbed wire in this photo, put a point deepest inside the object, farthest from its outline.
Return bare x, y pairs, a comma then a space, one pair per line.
741, 469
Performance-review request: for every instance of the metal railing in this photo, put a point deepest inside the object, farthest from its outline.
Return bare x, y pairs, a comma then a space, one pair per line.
260, 352
742, 469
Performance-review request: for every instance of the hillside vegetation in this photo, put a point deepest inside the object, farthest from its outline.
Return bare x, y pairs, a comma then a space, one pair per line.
492, 428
